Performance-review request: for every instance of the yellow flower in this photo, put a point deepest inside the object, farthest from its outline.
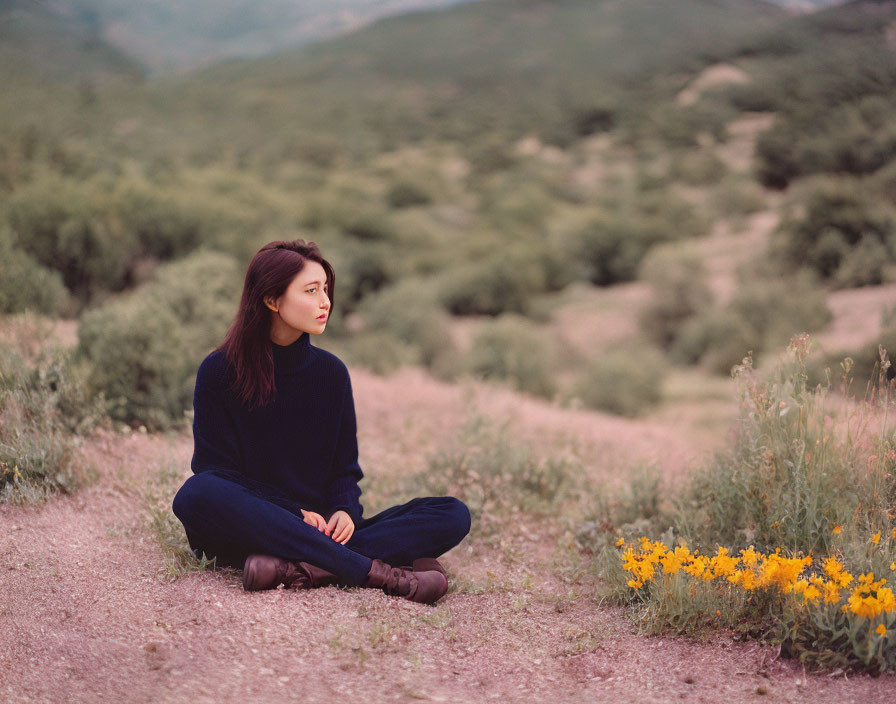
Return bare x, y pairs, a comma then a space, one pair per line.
723, 564
893, 565
635, 584
811, 593
831, 593
833, 567
670, 563
887, 599
876, 538
837, 530
881, 630
620, 542
749, 557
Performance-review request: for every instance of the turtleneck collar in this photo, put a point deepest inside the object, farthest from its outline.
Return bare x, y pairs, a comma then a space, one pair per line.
292, 357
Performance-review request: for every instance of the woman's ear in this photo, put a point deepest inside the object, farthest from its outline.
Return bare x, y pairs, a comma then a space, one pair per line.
271, 303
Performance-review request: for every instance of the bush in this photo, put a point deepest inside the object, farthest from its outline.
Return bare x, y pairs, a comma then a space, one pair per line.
622, 381
164, 228
145, 347
380, 352
736, 196
788, 480
26, 284
761, 316
785, 534
718, 340
513, 349
697, 167
843, 233
405, 194
409, 312
492, 286
45, 409
69, 229
678, 282
611, 245
362, 269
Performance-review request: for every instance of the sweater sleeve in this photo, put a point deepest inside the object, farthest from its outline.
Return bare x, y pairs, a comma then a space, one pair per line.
214, 434
343, 492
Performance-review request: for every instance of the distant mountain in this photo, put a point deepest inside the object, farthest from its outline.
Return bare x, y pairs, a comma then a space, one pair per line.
36, 41
168, 35
807, 5
506, 66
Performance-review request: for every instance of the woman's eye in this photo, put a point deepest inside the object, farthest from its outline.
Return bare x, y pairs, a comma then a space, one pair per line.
311, 290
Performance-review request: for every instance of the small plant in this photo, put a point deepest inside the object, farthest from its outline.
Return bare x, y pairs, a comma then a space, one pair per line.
513, 349
46, 410
826, 616
498, 478
795, 520
156, 498
622, 381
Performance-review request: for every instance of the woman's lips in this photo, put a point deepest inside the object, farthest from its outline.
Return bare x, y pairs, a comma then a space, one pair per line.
322, 317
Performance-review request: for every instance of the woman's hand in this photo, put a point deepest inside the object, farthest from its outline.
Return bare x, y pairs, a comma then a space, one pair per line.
340, 527
315, 519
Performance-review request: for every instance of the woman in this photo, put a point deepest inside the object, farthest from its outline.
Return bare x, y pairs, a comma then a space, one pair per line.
275, 461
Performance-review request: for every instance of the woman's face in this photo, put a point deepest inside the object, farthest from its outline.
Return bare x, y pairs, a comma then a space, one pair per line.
304, 306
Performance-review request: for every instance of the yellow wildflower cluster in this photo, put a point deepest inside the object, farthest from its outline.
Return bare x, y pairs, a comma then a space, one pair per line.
753, 570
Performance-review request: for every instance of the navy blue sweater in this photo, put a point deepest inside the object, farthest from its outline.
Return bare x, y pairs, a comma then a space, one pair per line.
304, 442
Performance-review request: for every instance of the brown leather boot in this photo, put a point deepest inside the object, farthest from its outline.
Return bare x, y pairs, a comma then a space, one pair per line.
425, 587
423, 564
269, 572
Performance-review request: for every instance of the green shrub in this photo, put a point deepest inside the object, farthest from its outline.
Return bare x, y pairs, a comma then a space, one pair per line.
146, 346
409, 312
789, 477
624, 381
736, 196
492, 286
842, 232
777, 310
406, 194
856, 136
802, 477
362, 268
777, 160
70, 229
164, 228
760, 316
718, 340
26, 284
380, 352
697, 167
681, 126
46, 408
512, 349
611, 245
678, 281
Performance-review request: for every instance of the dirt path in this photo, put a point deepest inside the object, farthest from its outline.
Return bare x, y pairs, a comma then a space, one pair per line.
87, 613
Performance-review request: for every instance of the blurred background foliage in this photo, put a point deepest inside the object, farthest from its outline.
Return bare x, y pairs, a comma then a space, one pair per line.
467, 171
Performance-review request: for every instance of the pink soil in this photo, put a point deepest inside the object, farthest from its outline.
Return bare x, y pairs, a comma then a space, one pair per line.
857, 317
87, 613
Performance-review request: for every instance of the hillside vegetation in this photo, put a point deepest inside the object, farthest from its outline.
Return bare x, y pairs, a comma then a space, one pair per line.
465, 170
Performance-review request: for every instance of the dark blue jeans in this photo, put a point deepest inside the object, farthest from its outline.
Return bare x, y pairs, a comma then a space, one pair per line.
229, 516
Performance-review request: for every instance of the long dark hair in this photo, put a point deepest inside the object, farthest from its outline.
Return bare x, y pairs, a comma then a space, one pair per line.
247, 346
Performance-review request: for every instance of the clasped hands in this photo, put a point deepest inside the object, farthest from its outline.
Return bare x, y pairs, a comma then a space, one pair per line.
340, 526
